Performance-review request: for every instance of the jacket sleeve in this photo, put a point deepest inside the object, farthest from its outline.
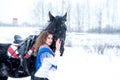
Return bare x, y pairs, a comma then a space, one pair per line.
53, 60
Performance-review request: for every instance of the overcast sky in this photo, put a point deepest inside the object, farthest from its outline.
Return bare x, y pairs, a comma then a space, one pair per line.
15, 8
22, 9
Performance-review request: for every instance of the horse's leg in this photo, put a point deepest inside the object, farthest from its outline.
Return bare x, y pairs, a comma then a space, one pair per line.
25, 66
32, 76
32, 71
3, 72
31, 66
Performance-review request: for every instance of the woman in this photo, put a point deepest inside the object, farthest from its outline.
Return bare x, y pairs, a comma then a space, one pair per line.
46, 59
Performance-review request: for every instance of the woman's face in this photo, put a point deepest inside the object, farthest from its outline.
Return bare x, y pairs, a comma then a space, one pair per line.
49, 39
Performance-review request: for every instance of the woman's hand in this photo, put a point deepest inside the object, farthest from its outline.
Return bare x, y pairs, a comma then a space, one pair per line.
58, 44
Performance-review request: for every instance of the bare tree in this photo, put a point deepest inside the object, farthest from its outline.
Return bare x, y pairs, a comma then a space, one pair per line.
80, 17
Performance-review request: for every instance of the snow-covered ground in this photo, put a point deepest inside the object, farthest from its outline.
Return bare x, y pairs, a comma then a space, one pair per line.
77, 64
81, 60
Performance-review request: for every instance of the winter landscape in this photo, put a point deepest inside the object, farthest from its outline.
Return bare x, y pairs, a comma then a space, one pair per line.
92, 46
86, 56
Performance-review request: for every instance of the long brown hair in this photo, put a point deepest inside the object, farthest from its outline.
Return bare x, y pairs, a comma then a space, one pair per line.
41, 39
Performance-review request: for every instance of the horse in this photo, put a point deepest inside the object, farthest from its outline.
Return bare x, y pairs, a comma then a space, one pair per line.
18, 61
58, 28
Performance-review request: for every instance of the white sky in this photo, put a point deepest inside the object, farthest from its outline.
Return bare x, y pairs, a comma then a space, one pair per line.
14, 8
21, 9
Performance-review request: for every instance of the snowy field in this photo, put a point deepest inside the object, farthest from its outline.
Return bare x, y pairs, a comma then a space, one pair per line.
86, 56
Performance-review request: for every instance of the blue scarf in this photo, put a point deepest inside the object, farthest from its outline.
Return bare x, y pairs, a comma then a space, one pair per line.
40, 52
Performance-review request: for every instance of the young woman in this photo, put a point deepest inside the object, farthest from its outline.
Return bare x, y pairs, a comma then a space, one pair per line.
46, 59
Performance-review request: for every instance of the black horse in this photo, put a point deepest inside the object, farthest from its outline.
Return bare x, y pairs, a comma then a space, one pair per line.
58, 27
19, 61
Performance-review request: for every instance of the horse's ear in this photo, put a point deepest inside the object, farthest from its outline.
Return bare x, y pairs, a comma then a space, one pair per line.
65, 16
51, 16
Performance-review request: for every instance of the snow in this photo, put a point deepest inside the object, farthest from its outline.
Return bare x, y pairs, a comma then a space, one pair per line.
81, 60
77, 64
7, 33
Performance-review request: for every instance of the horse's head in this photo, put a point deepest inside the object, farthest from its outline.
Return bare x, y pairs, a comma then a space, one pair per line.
57, 23
58, 27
